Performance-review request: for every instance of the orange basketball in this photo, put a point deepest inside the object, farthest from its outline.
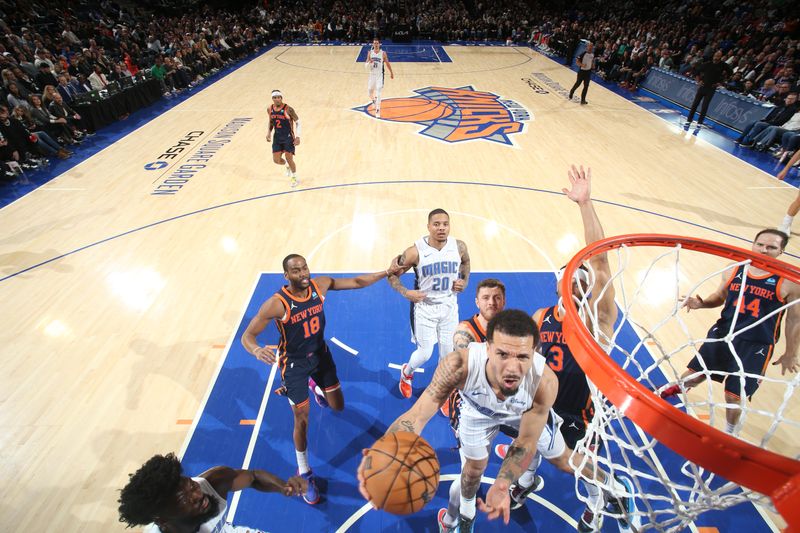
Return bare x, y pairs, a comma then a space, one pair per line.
413, 109
401, 473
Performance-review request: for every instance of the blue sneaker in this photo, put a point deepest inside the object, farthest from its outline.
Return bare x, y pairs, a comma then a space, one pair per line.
622, 507
318, 394
312, 494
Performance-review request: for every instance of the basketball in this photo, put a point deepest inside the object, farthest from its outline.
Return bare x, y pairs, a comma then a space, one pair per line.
401, 473
414, 109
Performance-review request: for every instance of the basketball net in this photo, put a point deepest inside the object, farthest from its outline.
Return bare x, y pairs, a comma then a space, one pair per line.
676, 453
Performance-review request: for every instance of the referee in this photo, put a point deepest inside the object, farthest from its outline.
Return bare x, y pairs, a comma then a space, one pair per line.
709, 76
585, 62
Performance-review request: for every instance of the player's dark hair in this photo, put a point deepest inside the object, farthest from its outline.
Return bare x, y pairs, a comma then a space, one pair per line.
435, 212
515, 323
491, 283
149, 489
289, 258
784, 237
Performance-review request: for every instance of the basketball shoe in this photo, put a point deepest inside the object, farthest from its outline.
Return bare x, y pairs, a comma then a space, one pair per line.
590, 521
442, 527
622, 506
312, 494
670, 391
518, 493
287, 170
405, 382
318, 394
294, 182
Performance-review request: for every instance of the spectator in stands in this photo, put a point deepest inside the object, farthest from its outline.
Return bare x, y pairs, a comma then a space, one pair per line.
15, 97
770, 134
98, 80
67, 91
60, 109
55, 127
777, 117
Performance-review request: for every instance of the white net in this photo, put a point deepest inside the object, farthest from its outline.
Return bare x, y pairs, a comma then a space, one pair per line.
653, 341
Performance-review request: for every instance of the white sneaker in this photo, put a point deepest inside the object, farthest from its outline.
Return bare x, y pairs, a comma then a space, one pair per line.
287, 170
295, 182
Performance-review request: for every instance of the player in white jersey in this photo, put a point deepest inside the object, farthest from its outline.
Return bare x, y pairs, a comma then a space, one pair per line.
441, 265
377, 61
160, 495
503, 381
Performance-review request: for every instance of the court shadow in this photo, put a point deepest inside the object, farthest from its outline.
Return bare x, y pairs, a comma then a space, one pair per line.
709, 216
16, 262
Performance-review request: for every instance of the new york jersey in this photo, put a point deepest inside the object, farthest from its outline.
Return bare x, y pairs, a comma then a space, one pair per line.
761, 296
480, 401
437, 270
302, 328
284, 126
475, 329
574, 396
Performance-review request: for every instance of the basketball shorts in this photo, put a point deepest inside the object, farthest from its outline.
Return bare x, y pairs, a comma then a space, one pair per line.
432, 323
375, 83
282, 145
573, 429
717, 356
477, 433
295, 372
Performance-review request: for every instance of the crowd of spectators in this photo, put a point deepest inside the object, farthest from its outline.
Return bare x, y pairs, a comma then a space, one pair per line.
51, 53
51, 48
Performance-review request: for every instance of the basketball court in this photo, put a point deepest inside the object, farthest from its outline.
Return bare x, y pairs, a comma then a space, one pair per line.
128, 280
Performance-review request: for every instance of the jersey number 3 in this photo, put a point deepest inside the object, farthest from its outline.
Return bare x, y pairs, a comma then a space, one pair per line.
555, 359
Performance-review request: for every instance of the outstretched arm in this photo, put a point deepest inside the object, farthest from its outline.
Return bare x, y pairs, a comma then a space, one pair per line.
715, 299
523, 448
225, 479
602, 296
327, 283
794, 159
451, 374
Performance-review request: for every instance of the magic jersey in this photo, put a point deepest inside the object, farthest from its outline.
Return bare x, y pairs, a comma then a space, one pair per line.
437, 270
302, 327
761, 296
282, 122
215, 524
480, 401
377, 65
574, 396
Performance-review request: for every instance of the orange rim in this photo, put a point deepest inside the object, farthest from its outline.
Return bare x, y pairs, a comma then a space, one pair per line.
737, 461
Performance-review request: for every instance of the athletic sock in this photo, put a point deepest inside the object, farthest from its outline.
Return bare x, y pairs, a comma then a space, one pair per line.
302, 462
467, 508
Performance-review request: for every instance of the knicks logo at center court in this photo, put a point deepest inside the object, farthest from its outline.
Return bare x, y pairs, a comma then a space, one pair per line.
455, 115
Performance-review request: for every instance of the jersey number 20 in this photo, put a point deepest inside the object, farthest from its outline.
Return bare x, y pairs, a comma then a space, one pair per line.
441, 284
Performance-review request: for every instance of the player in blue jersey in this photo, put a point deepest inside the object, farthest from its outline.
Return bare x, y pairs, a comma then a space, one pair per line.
761, 294
574, 402
303, 356
284, 120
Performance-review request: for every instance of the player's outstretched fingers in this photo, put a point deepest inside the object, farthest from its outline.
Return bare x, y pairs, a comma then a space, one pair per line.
362, 487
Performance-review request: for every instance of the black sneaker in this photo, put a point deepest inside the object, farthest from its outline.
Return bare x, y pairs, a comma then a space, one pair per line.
466, 525
518, 493
621, 506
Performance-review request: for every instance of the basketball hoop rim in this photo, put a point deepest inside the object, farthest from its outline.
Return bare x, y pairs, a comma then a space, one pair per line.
737, 461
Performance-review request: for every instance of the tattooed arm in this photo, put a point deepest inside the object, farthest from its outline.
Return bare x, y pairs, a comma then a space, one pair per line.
401, 264
463, 271
451, 374
523, 448
462, 337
